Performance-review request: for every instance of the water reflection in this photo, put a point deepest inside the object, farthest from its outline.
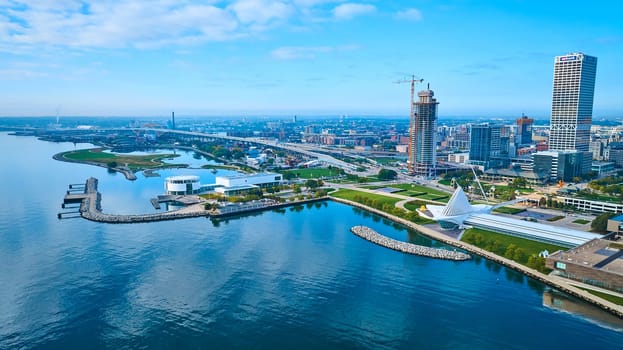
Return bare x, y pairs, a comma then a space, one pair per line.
565, 303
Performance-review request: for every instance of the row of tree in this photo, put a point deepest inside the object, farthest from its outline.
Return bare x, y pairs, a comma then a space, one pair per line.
510, 251
412, 216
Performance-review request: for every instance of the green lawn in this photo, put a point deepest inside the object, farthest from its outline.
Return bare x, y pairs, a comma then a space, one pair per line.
487, 186
612, 298
312, 173
581, 221
350, 195
96, 155
523, 252
420, 188
380, 202
509, 210
413, 205
555, 218
446, 182
598, 197
422, 192
385, 160
529, 246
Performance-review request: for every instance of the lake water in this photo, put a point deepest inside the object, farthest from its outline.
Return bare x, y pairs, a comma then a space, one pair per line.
293, 279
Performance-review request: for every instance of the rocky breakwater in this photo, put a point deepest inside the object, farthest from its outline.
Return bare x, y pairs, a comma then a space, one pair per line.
91, 209
409, 248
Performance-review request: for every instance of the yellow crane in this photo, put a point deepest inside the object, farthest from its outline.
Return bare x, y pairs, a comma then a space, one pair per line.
413, 80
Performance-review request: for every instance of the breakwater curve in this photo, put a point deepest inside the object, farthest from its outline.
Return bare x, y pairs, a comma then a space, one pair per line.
90, 209
409, 248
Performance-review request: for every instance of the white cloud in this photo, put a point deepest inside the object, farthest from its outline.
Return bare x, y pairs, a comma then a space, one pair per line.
261, 11
287, 53
350, 10
411, 14
133, 23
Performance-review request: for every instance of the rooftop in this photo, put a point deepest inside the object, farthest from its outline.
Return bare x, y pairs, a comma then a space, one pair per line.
243, 176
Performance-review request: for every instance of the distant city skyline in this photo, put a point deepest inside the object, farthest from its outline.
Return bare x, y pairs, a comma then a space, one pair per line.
299, 57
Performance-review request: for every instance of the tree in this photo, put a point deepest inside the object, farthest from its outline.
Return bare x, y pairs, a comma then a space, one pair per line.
601, 222
542, 202
312, 183
387, 174
510, 251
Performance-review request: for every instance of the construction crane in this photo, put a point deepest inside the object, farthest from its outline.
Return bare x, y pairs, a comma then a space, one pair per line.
411, 112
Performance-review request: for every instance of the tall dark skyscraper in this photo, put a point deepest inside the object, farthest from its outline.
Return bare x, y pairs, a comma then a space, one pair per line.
422, 135
488, 143
524, 130
572, 102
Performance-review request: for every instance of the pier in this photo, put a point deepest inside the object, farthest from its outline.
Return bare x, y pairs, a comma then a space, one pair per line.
90, 208
409, 248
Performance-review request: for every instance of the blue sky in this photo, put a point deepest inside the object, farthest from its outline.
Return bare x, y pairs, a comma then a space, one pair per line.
304, 57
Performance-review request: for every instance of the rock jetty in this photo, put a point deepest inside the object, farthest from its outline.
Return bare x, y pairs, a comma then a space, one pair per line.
91, 209
409, 248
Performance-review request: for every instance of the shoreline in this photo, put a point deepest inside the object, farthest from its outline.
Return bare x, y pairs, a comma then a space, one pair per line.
605, 305
129, 174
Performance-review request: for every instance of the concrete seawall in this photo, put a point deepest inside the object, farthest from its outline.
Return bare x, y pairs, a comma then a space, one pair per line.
91, 209
409, 248
552, 281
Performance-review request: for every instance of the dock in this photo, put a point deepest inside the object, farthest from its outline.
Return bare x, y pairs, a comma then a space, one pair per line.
90, 208
409, 248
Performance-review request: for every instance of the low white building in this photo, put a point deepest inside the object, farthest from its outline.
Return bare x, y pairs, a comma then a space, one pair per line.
182, 185
260, 180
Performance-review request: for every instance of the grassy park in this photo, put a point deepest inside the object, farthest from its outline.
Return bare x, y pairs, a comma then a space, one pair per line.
419, 191
384, 203
523, 251
311, 173
353, 195
134, 162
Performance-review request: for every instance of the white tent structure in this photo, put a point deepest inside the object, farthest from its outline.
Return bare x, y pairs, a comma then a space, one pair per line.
453, 214
459, 213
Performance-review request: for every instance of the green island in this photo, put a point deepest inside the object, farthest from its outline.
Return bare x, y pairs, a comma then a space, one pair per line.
520, 250
97, 156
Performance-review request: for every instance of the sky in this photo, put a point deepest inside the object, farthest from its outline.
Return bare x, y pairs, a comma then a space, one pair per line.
481, 58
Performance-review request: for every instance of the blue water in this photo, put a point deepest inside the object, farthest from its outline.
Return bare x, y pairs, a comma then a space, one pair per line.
272, 280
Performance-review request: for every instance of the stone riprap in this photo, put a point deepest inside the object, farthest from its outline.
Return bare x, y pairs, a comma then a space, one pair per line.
409, 248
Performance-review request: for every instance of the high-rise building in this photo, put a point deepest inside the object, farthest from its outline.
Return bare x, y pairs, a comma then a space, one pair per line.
488, 145
524, 130
572, 107
572, 102
422, 135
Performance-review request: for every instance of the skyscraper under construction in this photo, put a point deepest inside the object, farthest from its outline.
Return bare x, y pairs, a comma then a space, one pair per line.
422, 129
